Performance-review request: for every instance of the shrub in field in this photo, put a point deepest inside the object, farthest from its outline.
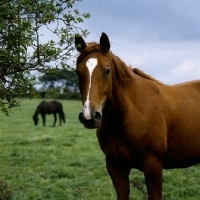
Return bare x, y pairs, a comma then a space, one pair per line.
5, 191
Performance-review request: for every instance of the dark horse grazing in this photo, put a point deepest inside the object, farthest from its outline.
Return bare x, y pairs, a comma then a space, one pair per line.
52, 107
141, 123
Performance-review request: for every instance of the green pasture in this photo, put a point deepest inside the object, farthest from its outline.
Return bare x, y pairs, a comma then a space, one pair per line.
66, 163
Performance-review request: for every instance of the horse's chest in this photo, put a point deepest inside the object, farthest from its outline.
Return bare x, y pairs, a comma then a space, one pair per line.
115, 148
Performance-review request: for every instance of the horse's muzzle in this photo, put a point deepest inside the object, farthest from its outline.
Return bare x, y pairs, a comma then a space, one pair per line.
94, 122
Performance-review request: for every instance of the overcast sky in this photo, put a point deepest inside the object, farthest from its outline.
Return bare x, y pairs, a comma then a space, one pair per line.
160, 37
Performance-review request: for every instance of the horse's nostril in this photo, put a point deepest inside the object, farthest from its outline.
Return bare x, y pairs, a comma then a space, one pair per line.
97, 116
81, 117
91, 123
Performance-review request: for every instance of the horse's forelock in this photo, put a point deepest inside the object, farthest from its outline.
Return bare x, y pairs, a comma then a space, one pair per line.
89, 48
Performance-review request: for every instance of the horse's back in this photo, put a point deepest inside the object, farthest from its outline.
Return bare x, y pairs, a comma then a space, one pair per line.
48, 107
184, 98
57, 103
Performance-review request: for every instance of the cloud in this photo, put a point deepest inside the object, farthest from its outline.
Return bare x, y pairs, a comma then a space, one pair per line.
160, 37
143, 21
186, 67
187, 71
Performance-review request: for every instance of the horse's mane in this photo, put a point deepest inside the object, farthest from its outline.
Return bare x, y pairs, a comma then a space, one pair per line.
142, 74
123, 72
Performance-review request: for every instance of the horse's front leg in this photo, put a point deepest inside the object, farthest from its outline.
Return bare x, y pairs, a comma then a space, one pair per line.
153, 177
43, 119
120, 178
55, 118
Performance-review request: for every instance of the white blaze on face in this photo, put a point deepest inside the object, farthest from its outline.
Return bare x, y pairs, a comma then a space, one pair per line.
90, 64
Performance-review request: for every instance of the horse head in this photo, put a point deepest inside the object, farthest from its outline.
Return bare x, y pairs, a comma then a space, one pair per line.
94, 70
35, 119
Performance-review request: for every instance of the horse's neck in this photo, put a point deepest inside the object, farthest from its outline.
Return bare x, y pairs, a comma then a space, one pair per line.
131, 94
37, 111
118, 101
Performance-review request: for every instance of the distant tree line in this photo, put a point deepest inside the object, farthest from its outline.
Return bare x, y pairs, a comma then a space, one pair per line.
63, 83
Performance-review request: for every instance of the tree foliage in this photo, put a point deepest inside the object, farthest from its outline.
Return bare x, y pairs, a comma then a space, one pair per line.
36, 36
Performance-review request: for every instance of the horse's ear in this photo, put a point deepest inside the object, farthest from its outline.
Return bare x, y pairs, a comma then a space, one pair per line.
79, 43
104, 42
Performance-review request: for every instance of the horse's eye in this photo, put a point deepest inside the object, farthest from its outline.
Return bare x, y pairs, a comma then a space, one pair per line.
107, 71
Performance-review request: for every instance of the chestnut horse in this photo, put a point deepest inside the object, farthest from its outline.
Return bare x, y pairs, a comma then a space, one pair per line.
141, 123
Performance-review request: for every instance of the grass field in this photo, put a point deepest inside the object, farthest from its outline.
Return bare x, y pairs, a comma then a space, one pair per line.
66, 163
